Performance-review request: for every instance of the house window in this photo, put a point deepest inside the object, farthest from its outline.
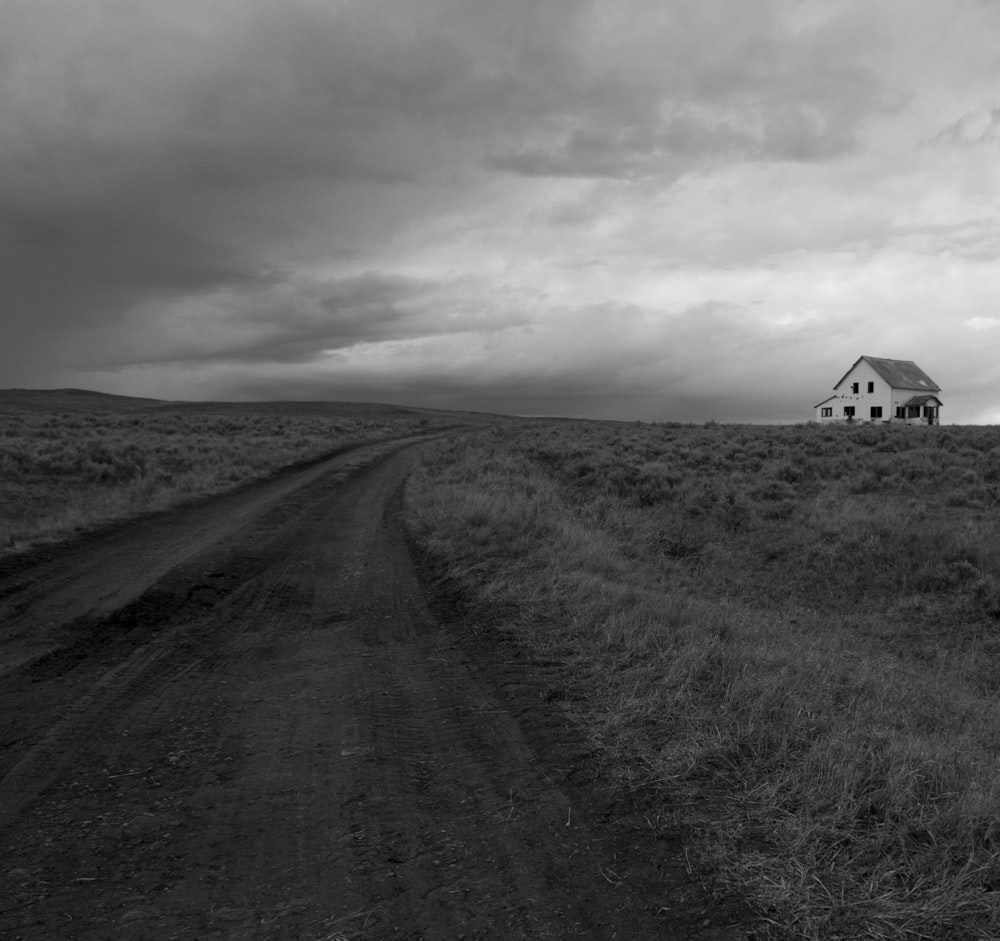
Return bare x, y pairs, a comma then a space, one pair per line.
871, 386
826, 413
901, 411
876, 411
854, 388
848, 411
914, 411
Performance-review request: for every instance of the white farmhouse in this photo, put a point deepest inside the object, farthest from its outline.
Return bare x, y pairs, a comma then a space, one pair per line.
874, 389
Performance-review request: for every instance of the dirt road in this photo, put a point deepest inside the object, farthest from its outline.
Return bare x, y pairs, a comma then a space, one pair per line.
241, 720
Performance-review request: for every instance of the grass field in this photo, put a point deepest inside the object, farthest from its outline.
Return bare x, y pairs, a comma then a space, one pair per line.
71, 460
789, 636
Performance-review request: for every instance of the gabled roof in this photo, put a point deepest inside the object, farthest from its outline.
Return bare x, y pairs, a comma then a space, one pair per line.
922, 400
830, 399
899, 373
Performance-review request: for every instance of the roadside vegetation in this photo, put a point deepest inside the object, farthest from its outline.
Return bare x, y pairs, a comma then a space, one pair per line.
64, 472
790, 636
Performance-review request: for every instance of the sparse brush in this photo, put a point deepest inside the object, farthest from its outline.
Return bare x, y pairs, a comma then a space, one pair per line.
64, 473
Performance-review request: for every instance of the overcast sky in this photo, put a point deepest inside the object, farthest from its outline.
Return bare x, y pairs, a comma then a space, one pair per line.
651, 209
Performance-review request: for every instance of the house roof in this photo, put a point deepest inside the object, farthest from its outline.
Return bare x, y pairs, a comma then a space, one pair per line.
922, 400
899, 373
830, 399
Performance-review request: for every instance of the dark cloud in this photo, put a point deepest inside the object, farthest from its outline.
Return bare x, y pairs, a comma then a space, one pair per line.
296, 323
283, 324
665, 148
397, 190
107, 256
706, 81
662, 367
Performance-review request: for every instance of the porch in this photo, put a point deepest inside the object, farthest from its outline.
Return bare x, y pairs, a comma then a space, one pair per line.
919, 410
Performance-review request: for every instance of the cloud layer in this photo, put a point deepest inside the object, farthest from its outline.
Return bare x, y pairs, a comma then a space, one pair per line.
685, 210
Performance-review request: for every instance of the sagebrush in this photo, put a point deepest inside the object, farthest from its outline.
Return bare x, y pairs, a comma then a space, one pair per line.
65, 472
795, 631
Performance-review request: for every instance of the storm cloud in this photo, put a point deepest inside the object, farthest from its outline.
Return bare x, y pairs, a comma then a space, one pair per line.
684, 210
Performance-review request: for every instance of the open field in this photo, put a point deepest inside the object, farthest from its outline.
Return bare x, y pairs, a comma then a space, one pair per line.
787, 637
786, 640
71, 460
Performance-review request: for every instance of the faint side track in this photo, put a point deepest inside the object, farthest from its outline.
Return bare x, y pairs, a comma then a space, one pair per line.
277, 740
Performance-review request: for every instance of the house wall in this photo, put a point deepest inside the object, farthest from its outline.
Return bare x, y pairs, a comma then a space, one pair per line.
862, 401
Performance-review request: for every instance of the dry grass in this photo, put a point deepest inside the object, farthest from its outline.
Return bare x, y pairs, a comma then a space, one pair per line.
796, 629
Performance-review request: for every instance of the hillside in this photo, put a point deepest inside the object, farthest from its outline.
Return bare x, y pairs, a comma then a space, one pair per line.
86, 400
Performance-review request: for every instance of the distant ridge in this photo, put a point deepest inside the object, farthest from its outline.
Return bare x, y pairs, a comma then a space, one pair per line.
86, 400
70, 400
